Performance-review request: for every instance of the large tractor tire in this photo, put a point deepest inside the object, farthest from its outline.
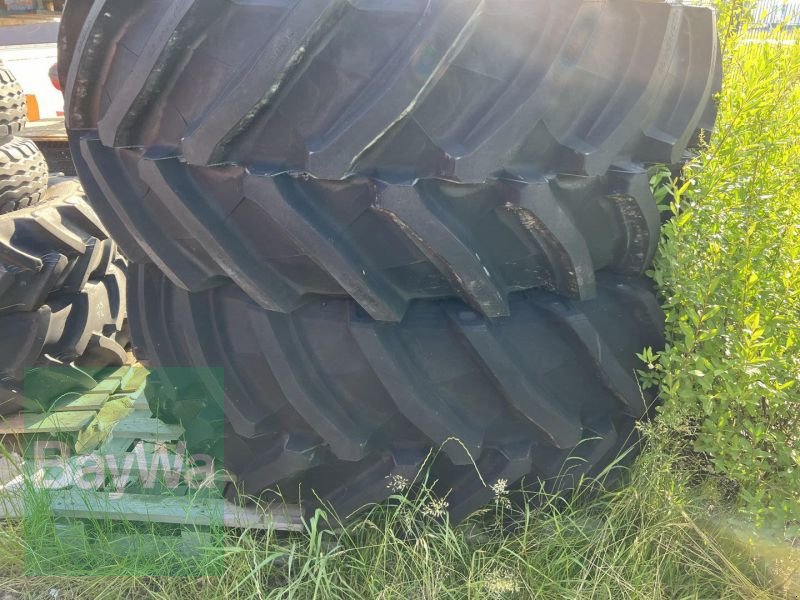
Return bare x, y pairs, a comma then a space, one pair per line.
23, 174
392, 225
330, 400
62, 300
13, 108
380, 151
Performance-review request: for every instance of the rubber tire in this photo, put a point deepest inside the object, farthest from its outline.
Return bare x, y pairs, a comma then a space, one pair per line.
328, 399
58, 156
23, 175
62, 299
13, 108
384, 194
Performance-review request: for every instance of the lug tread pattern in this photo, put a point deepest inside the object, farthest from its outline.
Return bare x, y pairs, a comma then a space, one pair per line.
284, 239
385, 152
13, 107
347, 159
346, 401
633, 80
23, 175
63, 291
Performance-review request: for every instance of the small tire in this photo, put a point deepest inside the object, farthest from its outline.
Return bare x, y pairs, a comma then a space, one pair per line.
23, 175
13, 109
62, 300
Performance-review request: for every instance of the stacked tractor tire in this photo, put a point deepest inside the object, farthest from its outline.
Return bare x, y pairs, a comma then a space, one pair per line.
23, 170
62, 282
398, 229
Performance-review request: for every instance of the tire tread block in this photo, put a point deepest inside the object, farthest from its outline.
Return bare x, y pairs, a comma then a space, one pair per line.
65, 304
53, 247
286, 238
13, 106
436, 380
368, 88
23, 174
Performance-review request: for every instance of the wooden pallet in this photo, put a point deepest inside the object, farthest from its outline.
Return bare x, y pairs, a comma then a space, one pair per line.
146, 472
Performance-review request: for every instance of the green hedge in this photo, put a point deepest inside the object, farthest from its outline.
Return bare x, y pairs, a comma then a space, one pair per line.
729, 275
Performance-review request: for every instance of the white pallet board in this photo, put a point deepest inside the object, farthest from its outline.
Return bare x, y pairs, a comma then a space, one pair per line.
179, 510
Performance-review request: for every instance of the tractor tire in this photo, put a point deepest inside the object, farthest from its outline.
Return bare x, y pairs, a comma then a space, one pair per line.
13, 109
62, 300
23, 175
389, 153
330, 400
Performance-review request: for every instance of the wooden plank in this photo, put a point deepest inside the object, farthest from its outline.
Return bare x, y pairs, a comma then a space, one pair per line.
151, 430
171, 467
59, 422
115, 445
120, 373
136, 380
184, 510
12, 20
163, 469
59, 474
140, 400
142, 414
89, 401
140, 403
106, 386
13, 425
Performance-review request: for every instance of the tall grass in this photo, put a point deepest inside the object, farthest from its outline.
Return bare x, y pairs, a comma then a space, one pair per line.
659, 536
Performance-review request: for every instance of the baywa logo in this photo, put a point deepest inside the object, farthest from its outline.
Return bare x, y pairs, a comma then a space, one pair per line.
56, 468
